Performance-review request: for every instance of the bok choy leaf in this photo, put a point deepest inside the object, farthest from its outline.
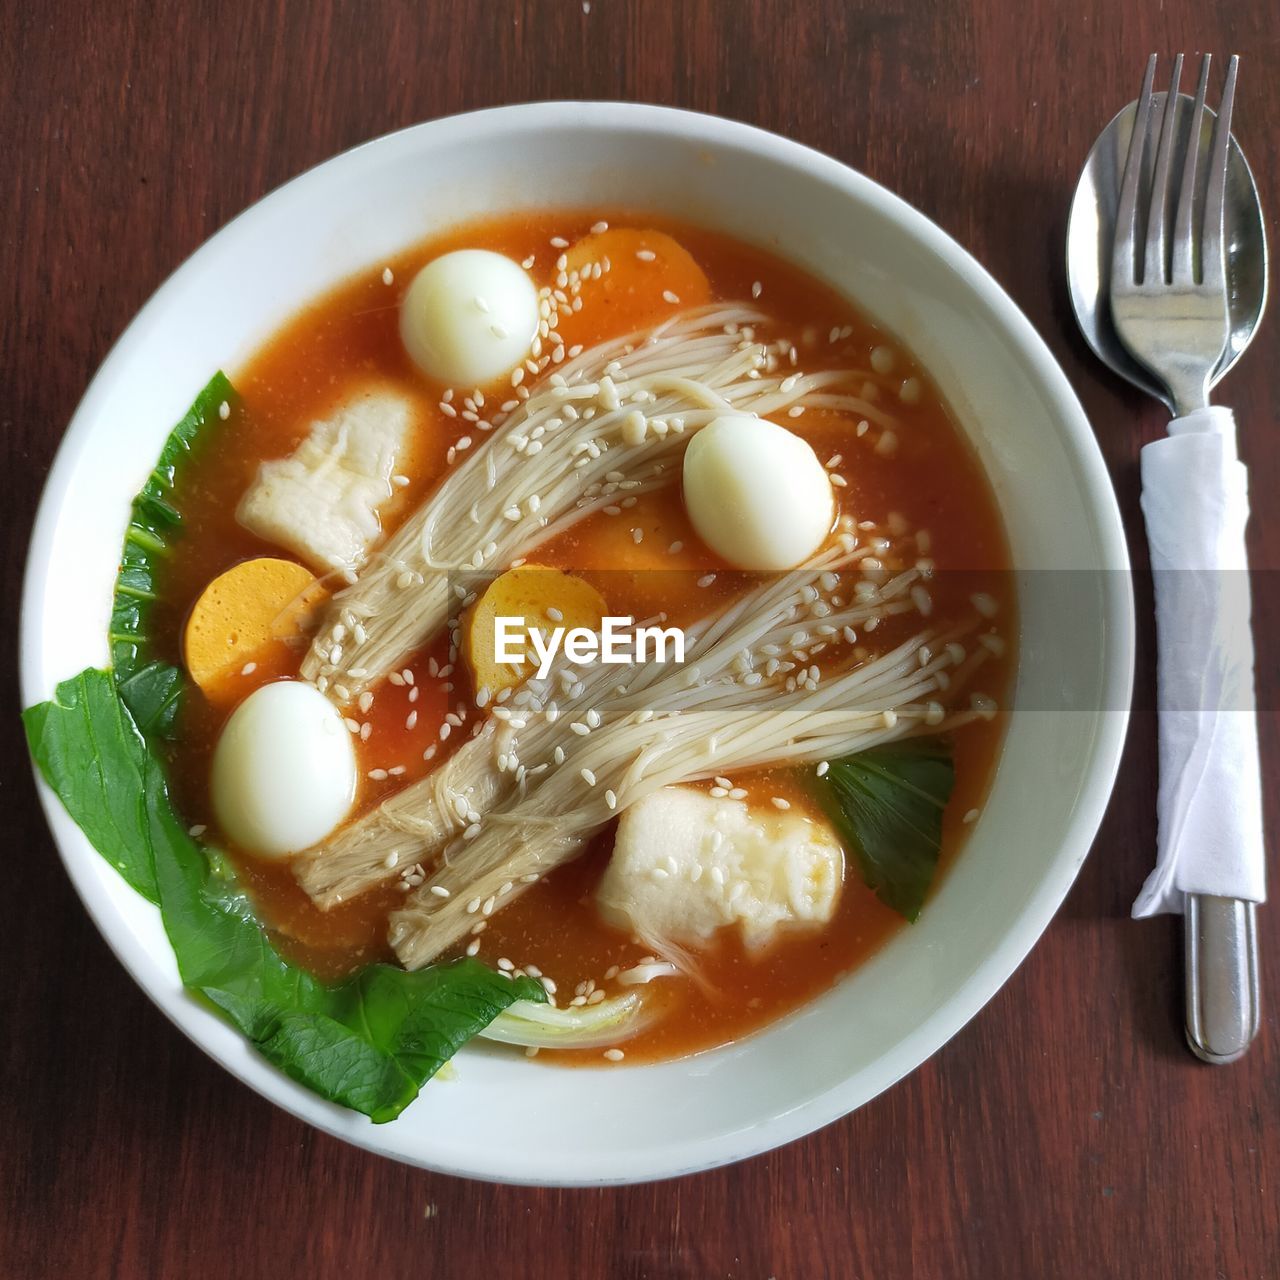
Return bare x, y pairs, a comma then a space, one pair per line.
153, 524
886, 803
368, 1043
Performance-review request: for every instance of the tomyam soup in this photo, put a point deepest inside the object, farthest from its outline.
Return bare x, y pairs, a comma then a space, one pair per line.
583, 630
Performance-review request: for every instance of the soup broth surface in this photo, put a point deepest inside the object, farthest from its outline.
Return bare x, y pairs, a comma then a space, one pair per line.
930, 484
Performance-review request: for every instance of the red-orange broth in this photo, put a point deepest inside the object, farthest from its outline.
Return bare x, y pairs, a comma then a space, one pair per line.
351, 336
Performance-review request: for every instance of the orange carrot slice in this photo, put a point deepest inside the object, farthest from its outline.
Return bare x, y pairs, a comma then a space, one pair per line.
246, 615
649, 277
537, 596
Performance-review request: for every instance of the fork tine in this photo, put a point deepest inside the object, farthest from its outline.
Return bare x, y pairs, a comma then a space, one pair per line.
1212, 266
1123, 258
1153, 271
1183, 258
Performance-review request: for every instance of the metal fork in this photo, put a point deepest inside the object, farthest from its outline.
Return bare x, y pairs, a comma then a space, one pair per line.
1171, 321
1169, 307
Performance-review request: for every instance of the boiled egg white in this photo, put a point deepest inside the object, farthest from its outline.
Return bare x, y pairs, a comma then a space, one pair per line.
284, 770
469, 317
756, 493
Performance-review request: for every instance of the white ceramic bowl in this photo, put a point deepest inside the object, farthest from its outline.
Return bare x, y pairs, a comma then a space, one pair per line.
505, 1118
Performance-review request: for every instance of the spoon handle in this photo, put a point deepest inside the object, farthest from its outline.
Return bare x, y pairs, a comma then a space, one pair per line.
1222, 976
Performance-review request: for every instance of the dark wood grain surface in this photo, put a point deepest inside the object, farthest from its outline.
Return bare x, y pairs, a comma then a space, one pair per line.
1066, 1132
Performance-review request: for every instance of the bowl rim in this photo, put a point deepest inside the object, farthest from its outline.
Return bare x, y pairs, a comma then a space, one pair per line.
937, 1027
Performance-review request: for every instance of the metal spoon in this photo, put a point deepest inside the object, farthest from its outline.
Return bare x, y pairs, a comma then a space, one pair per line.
1222, 970
1090, 231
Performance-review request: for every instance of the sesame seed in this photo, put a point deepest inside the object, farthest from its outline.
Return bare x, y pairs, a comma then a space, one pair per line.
224, 411
614, 1055
672, 298
971, 816
388, 276
248, 669
983, 705
823, 766
882, 359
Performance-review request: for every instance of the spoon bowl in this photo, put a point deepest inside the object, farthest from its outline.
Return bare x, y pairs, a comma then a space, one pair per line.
1091, 228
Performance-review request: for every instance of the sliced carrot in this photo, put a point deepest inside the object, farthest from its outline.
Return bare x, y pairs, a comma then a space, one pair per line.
247, 614
539, 597
646, 277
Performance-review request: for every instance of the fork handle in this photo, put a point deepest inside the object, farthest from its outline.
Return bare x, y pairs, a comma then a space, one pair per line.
1210, 845
1223, 1005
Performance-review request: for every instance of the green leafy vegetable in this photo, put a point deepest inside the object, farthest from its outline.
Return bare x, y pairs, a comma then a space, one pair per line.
91, 753
887, 805
145, 681
368, 1043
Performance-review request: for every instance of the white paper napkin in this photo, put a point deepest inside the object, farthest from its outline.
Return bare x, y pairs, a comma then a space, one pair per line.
1196, 503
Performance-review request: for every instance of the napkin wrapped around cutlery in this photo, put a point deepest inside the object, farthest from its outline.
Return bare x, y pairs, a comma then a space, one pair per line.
1195, 500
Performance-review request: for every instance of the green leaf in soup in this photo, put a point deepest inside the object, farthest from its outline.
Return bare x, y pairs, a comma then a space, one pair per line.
91, 753
368, 1043
887, 803
151, 688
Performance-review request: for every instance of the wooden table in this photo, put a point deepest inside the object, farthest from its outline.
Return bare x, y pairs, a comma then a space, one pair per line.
1066, 1132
